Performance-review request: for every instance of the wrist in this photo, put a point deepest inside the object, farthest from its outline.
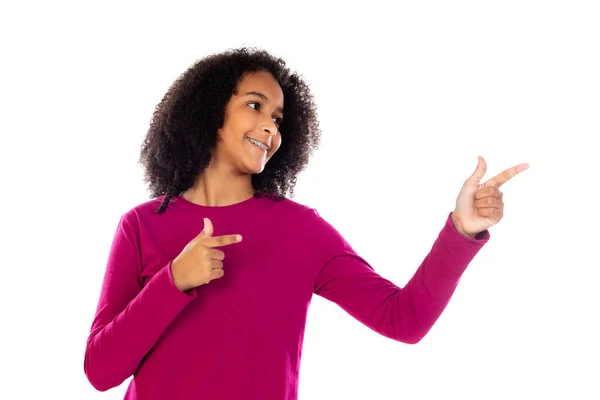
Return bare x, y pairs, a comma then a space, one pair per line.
176, 279
458, 228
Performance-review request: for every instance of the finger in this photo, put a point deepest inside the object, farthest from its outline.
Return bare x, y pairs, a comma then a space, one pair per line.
224, 240
479, 172
217, 273
504, 176
207, 231
215, 264
216, 254
489, 191
489, 202
493, 213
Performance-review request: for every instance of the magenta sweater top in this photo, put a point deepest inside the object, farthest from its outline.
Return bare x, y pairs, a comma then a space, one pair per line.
240, 337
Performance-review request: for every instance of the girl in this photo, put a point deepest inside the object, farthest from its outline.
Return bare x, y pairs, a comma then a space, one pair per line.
207, 286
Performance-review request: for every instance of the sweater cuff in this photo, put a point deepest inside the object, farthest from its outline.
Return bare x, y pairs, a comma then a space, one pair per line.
453, 238
461, 249
454, 253
172, 289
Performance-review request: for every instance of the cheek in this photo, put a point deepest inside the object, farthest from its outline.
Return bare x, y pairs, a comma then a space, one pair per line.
275, 144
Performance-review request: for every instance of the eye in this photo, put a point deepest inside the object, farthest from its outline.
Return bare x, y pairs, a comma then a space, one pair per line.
256, 106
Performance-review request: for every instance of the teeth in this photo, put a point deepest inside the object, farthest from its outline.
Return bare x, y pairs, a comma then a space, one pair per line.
259, 144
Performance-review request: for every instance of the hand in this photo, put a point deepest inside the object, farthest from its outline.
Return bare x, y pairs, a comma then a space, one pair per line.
200, 262
480, 206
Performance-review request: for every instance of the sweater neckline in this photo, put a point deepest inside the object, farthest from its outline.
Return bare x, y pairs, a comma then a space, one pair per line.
242, 204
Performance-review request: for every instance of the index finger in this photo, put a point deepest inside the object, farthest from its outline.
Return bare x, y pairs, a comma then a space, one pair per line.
225, 240
504, 176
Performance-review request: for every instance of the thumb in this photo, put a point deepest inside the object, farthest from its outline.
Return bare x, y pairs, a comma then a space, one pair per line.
208, 228
479, 172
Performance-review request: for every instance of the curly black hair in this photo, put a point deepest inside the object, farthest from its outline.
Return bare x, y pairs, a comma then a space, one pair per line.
183, 131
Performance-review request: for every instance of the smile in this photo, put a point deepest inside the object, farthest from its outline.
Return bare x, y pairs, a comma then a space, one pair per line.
257, 143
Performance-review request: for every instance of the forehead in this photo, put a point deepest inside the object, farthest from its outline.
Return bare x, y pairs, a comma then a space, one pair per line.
262, 82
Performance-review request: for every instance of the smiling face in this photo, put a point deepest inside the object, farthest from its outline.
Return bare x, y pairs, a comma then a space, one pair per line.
250, 133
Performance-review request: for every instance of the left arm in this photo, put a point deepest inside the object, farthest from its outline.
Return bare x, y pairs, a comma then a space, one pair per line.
404, 313
407, 313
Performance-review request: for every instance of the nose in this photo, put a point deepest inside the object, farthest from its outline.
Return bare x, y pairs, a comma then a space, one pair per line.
270, 130
270, 127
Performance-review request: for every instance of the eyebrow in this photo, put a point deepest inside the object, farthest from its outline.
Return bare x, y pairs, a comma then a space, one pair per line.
265, 98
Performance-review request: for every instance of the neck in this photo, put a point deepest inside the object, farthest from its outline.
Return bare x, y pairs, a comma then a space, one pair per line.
216, 187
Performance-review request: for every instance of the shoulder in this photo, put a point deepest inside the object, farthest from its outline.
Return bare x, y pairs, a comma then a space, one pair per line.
307, 218
134, 216
313, 231
292, 210
290, 205
148, 207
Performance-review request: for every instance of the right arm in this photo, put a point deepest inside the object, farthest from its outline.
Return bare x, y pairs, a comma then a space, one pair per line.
129, 319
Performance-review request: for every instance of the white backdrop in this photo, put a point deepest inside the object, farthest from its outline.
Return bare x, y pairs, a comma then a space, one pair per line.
408, 96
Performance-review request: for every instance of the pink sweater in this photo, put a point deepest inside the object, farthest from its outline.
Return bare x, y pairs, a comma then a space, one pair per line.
240, 337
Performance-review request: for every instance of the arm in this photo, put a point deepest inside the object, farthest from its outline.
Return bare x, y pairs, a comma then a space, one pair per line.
404, 313
129, 320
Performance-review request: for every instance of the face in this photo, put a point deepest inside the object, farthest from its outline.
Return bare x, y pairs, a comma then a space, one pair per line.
250, 133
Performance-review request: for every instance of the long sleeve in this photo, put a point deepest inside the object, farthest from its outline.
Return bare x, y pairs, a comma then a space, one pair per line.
130, 317
404, 313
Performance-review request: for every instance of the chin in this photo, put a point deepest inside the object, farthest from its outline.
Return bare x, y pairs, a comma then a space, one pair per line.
254, 169
258, 171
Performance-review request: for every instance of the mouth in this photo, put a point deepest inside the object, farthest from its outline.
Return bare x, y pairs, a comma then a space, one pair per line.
258, 143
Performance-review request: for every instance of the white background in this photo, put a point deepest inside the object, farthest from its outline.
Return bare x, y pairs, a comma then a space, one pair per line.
408, 96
